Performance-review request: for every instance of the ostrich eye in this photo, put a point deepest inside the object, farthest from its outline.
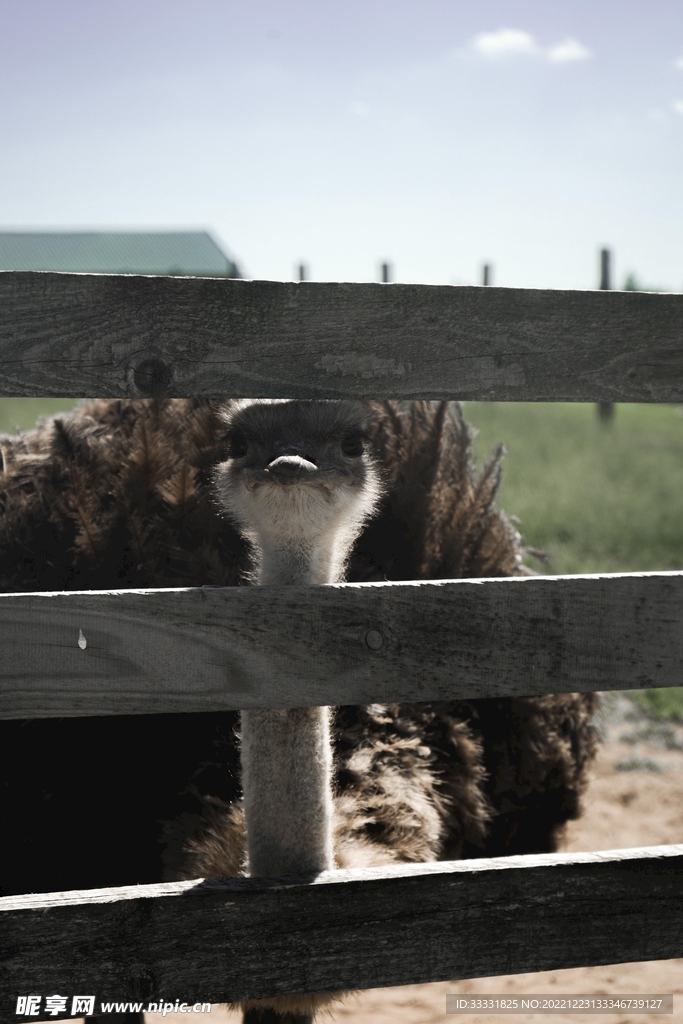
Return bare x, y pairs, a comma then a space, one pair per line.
237, 444
352, 445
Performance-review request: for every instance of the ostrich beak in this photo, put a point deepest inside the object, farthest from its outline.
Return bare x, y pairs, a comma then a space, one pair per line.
290, 469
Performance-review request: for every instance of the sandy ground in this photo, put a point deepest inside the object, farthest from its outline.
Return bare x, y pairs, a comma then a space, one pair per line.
634, 800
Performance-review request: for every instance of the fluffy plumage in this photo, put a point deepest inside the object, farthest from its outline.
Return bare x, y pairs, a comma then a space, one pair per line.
120, 494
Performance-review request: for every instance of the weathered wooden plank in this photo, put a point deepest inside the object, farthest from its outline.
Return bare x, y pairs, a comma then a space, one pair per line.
114, 336
244, 647
229, 939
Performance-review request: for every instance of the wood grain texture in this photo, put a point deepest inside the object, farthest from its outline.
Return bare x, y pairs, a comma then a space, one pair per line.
84, 335
218, 649
228, 939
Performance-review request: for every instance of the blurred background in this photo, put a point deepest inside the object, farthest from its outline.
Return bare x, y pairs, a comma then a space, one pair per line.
438, 135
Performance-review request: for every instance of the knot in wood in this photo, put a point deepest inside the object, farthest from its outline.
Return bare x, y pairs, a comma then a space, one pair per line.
153, 377
374, 639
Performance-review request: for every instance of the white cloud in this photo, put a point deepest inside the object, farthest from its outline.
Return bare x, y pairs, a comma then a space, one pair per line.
678, 63
503, 42
569, 49
506, 42
677, 105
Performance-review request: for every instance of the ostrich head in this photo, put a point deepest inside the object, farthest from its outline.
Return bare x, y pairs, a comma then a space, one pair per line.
299, 481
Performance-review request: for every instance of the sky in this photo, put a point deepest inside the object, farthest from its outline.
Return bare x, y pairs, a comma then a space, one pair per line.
434, 134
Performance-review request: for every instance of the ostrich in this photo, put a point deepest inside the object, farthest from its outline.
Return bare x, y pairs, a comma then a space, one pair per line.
181, 493
300, 482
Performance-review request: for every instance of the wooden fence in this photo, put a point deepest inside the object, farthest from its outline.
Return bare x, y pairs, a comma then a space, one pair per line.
111, 336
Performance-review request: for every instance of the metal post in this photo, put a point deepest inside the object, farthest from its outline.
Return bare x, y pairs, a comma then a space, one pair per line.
386, 273
605, 270
303, 272
605, 409
487, 275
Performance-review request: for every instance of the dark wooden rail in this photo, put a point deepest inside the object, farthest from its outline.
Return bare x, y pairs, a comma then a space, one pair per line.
231, 939
243, 647
115, 336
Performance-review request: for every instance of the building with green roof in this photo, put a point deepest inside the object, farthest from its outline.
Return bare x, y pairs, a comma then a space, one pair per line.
116, 252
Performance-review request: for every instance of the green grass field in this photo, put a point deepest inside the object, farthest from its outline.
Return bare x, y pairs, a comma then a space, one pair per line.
22, 413
596, 498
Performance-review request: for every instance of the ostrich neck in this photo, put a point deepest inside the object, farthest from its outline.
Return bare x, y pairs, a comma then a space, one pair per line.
287, 783
298, 561
287, 754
